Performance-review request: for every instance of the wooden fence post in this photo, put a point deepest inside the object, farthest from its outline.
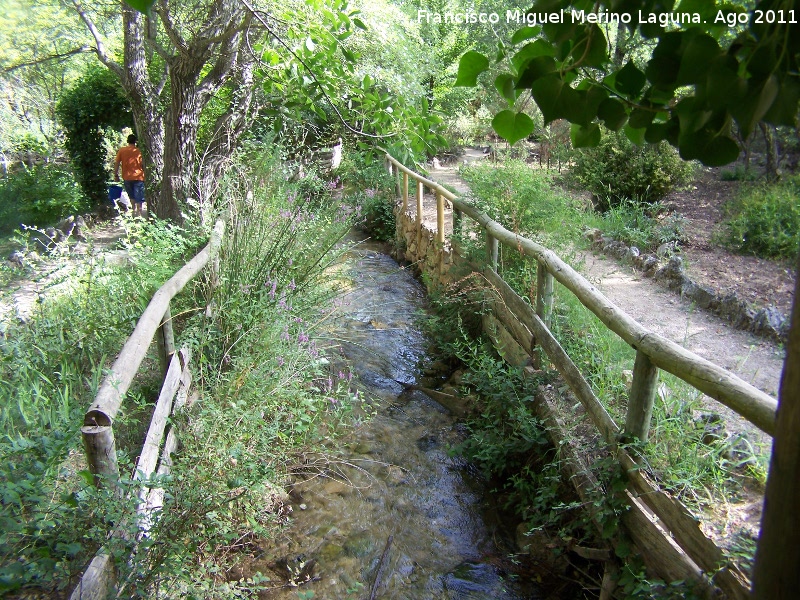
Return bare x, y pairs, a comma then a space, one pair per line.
405, 192
439, 217
165, 339
641, 398
492, 250
544, 293
101, 455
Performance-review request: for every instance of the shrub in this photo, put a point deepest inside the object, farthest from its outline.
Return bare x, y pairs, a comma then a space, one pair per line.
618, 170
39, 196
765, 220
94, 103
643, 226
370, 190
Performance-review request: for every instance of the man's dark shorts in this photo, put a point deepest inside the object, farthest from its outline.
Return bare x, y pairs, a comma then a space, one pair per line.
135, 190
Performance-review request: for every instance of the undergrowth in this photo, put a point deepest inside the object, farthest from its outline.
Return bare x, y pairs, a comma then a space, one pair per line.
691, 456
765, 220
50, 369
267, 393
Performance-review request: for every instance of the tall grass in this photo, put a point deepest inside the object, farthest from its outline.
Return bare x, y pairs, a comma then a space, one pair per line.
50, 368
269, 393
765, 220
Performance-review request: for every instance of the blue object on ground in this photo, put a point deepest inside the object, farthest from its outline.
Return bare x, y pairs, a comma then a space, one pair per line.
114, 193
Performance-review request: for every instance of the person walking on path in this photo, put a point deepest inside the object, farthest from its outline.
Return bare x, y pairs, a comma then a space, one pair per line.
130, 159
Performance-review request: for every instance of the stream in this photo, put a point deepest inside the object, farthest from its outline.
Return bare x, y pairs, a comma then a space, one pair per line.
393, 500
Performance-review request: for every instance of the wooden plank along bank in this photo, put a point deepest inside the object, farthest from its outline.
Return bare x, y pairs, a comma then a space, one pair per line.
668, 537
100, 579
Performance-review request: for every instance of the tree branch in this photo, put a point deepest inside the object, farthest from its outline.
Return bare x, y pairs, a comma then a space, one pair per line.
100, 48
162, 10
60, 56
313, 75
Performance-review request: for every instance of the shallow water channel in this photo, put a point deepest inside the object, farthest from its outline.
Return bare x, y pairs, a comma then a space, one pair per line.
396, 502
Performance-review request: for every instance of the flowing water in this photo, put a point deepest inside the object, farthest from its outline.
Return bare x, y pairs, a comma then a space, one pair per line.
393, 501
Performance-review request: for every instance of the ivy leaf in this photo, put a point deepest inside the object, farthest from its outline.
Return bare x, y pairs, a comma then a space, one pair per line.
512, 126
470, 66
143, 6
585, 136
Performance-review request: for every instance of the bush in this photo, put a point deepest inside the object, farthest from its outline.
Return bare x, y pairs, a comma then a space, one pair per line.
370, 190
765, 220
618, 170
39, 196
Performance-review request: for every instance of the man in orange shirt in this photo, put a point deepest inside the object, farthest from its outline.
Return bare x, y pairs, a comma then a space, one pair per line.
130, 159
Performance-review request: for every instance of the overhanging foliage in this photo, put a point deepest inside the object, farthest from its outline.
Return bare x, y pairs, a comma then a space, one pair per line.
713, 64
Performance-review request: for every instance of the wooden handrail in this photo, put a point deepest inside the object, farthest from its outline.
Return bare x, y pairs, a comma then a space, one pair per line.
114, 386
718, 383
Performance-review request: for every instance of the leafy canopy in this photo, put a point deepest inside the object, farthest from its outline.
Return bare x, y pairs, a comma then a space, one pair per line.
719, 65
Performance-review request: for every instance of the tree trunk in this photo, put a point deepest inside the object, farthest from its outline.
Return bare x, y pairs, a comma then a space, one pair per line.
777, 570
771, 170
144, 103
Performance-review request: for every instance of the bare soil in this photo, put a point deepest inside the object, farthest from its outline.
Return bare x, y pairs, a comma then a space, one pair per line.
755, 280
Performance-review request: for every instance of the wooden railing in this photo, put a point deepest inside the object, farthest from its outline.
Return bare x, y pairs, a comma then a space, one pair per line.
98, 431
675, 534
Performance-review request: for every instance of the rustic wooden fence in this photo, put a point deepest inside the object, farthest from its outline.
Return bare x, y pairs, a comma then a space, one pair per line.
98, 427
669, 538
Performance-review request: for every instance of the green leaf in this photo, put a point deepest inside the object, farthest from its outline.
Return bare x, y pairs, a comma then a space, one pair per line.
556, 99
534, 69
596, 54
360, 24
641, 117
585, 136
512, 126
710, 148
629, 80
530, 51
696, 59
752, 108
784, 110
636, 135
504, 84
470, 66
525, 33
613, 113
143, 6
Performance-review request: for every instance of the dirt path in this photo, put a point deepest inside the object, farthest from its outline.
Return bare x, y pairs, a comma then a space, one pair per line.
754, 359
51, 275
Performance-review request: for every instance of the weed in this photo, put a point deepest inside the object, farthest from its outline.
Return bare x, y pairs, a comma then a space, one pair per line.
765, 220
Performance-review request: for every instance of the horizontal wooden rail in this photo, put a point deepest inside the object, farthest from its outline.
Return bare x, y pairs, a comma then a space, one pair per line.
714, 381
109, 397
